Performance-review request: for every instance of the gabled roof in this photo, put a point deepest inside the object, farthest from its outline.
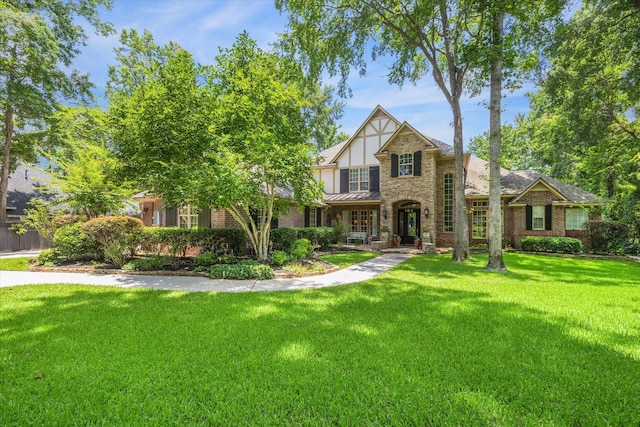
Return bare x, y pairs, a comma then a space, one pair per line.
403, 128
331, 154
519, 183
24, 184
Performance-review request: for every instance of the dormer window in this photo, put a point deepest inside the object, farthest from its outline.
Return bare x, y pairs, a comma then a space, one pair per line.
359, 179
406, 164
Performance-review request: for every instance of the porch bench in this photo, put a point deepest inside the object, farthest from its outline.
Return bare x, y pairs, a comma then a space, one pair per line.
357, 235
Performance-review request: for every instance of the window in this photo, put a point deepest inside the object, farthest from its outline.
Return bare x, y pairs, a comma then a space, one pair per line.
156, 218
187, 217
406, 164
448, 202
313, 218
480, 203
479, 224
538, 217
359, 179
360, 221
575, 218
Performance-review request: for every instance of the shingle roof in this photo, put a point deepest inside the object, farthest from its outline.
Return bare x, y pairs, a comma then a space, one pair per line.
25, 183
327, 156
515, 182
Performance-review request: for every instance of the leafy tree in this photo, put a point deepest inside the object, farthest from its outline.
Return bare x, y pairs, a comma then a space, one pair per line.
232, 135
437, 36
583, 127
517, 150
38, 41
84, 167
510, 53
322, 115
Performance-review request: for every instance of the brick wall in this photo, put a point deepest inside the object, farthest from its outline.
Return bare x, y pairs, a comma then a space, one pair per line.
396, 190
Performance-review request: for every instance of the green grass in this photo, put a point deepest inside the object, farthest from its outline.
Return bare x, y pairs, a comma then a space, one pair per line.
554, 342
14, 264
349, 258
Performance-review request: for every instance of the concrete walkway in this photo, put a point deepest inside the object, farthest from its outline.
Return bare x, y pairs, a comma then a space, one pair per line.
356, 273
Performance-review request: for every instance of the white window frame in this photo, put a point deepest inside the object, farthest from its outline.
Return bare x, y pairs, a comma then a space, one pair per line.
575, 218
537, 213
405, 164
187, 217
358, 180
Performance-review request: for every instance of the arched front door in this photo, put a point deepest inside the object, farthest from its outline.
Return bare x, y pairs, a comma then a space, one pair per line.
408, 222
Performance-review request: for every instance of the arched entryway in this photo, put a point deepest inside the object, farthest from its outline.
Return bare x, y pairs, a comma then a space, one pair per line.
408, 221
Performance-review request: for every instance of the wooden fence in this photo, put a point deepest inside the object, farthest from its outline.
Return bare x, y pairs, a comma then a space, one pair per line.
11, 242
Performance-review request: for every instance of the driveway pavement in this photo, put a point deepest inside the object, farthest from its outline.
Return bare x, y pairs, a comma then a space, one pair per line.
356, 273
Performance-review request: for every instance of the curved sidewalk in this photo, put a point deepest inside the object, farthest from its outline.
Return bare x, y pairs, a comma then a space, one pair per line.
355, 273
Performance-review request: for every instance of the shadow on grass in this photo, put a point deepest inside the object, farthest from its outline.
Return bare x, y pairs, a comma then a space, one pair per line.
396, 350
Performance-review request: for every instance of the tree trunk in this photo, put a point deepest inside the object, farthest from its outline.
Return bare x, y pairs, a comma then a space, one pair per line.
4, 171
461, 227
496, 262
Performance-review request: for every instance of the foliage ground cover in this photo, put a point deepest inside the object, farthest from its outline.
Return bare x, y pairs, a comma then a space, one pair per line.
430, 342
14, 264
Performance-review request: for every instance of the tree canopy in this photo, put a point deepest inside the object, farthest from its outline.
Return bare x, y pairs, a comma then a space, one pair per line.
232, 135
38, 41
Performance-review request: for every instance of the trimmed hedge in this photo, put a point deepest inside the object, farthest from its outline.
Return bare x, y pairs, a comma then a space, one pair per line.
606, 236
176, 241
551, 244
282, 239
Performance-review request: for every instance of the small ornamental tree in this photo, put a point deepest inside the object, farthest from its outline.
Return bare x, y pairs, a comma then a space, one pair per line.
232, 135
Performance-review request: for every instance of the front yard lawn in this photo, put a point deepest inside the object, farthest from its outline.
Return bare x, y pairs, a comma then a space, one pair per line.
14, 264
349, 258
554, 342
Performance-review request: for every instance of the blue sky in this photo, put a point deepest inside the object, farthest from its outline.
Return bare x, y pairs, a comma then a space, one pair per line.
201, 26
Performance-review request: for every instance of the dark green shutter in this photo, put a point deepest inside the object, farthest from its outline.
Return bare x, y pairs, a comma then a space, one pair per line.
171, 217
374, 178
394, 165
417, 163
529, 217
548, 224
306, 216
204, 217
344, 180
318, 217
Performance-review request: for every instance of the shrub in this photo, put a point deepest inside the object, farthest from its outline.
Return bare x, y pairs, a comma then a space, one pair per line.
205, 259
176, 241
606, 236
241, 271
282, 238
551, 244
145, 264
302, 248
632, 248
219, 240
318, 236
278, 258
227, 259
116, 235
48, 257
72, 243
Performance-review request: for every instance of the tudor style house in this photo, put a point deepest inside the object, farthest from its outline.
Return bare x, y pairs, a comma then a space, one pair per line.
389, 178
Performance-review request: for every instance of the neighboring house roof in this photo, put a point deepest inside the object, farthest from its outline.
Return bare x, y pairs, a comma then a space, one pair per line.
26, 183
